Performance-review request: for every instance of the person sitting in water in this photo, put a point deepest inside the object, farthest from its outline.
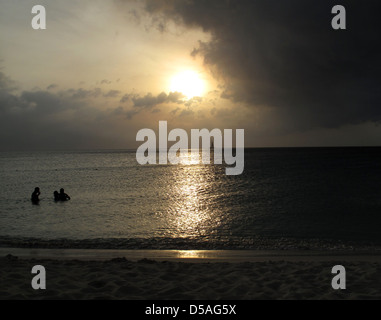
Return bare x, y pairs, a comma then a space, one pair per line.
56, 196
63, 195
35, 195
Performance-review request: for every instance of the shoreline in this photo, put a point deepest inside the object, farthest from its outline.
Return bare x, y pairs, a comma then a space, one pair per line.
100, 273
256, 243
192, 256
290, 277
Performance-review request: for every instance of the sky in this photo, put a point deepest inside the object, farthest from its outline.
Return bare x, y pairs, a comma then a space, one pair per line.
104, 69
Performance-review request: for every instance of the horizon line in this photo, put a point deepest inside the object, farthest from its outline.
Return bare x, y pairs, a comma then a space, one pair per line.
135, 149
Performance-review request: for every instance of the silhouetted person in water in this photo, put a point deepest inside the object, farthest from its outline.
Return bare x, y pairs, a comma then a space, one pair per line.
56, 196
63, 195
35, 196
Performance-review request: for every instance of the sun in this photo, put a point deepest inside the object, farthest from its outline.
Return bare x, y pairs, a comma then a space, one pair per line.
189, 83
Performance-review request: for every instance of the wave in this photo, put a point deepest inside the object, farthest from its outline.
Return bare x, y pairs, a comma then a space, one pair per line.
256, 243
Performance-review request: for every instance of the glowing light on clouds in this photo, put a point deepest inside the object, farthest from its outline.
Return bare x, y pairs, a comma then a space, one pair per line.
188, 83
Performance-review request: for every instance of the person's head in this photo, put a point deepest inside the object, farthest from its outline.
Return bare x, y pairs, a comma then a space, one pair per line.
36, 189
62, 190
56, 193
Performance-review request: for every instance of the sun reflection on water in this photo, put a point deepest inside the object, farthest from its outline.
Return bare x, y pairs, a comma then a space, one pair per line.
191, 200
192, 157
191, 254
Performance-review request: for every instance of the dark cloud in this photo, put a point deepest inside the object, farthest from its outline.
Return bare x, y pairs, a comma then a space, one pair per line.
65, 119
43, 102
6, 84
85, 94
126, 113
72, 118
52, 87
105, 81
149, 101
112, 94
285, 56
125, 98
195, 101
175, 111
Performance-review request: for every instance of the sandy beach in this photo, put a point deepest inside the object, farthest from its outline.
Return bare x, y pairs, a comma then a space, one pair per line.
292, 277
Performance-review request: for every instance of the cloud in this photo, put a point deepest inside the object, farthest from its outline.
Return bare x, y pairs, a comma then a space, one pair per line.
112, 94
52, 87
6, 84
73, 118
284, 56
105, 81
127, 113
149, 101
85, 94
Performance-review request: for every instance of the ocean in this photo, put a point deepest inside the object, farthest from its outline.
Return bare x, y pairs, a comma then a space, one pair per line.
286, 198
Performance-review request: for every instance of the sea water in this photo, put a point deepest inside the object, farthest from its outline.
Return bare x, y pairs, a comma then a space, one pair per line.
302, 193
